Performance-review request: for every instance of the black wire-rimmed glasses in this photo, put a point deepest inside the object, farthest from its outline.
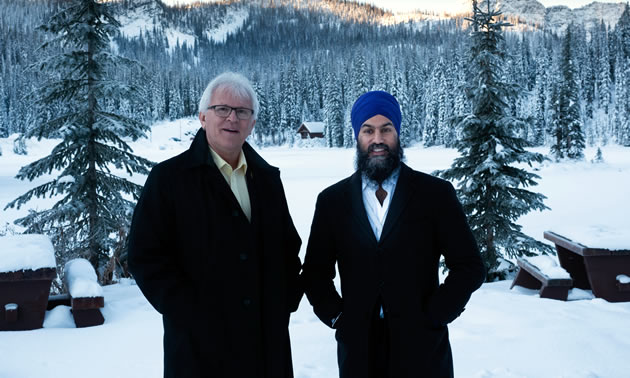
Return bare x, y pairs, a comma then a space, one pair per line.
224, 111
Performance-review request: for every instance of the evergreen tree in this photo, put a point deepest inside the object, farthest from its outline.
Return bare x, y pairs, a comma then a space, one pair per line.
431, 131
333, 113
360, 84
540, 108
4, 124
398, 89
262, 119
623, 78
569, 136
91, 218
443, 116
348, 131
491, 187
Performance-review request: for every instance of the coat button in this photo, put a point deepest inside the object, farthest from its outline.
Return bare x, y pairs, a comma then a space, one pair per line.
235, 213
381, 283
243, 256
247, 302
380, 250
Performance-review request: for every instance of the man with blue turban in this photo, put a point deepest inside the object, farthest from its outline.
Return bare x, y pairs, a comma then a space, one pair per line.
386, 228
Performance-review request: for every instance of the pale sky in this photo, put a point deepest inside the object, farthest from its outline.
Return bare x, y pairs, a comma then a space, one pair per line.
438, 5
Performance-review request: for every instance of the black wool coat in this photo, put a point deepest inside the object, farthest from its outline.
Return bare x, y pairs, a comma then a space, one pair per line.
425, 221
224, 286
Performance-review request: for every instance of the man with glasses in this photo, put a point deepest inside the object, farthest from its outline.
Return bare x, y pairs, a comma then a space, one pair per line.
213, 248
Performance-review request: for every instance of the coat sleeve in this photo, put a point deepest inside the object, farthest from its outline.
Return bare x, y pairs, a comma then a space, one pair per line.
319, 267
152, 248
461, 256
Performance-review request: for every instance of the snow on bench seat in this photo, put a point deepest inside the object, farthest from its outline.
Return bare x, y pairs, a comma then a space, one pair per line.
543, 273
85, 292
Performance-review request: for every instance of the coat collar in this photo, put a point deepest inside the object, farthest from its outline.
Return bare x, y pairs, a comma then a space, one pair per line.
402, 194
355, 194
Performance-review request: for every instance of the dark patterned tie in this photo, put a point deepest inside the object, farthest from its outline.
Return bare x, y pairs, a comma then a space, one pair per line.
381, 194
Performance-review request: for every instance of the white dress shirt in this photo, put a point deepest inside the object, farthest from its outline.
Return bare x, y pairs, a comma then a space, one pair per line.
376, 212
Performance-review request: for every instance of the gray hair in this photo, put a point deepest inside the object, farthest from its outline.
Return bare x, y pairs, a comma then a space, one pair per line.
237, 84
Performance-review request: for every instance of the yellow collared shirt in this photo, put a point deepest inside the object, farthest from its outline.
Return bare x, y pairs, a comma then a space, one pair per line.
235, 178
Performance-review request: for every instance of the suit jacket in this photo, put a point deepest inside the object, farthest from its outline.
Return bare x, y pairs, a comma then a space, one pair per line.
425, 221
224, 286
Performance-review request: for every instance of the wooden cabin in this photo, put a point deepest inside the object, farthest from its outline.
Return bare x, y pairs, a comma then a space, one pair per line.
311, 130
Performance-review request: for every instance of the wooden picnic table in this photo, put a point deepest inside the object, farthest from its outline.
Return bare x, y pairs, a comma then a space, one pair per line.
595, 269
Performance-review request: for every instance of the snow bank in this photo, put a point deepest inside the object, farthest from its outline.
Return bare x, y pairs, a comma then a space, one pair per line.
81, 279
59, 317
24, 252
548, 266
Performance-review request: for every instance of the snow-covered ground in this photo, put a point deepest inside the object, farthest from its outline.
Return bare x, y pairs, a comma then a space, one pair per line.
502, 333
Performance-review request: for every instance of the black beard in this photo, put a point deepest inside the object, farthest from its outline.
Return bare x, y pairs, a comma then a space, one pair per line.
378, 168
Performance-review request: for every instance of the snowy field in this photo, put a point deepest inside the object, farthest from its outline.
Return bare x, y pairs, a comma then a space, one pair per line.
502, 333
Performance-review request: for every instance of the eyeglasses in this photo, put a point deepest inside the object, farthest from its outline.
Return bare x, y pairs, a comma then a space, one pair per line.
224, 111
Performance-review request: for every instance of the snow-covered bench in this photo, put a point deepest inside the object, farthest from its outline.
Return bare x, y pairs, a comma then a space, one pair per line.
86, 295
543, 273
595, 268
27, 268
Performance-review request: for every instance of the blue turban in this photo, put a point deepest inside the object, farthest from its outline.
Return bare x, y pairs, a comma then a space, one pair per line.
375, 103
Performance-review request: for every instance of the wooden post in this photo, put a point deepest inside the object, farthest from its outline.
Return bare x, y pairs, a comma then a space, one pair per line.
11, 312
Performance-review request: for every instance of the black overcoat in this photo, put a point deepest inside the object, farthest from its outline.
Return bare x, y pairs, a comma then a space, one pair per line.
224, 286
425, 221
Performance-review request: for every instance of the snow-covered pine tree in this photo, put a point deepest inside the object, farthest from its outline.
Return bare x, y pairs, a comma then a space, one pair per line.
359, 75
431, 132
4, 122
623, 78
415, 114
93, 213
490, 186
443, 117
348, 131
292, 99
275, 111
399, 89
333, 112
262, 119
599, 157
537, 138
603, 74
569, 136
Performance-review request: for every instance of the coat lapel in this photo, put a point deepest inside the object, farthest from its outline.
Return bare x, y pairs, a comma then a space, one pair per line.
355, 194
258, 170
402, 195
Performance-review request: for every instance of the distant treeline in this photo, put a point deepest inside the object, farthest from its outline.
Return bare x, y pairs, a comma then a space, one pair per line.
310, 63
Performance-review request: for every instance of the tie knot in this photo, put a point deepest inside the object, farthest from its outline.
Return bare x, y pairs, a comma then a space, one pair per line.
381, 194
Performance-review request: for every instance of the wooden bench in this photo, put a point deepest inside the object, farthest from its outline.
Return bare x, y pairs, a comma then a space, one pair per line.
27, 268
530, 277
86, 297
594, 269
